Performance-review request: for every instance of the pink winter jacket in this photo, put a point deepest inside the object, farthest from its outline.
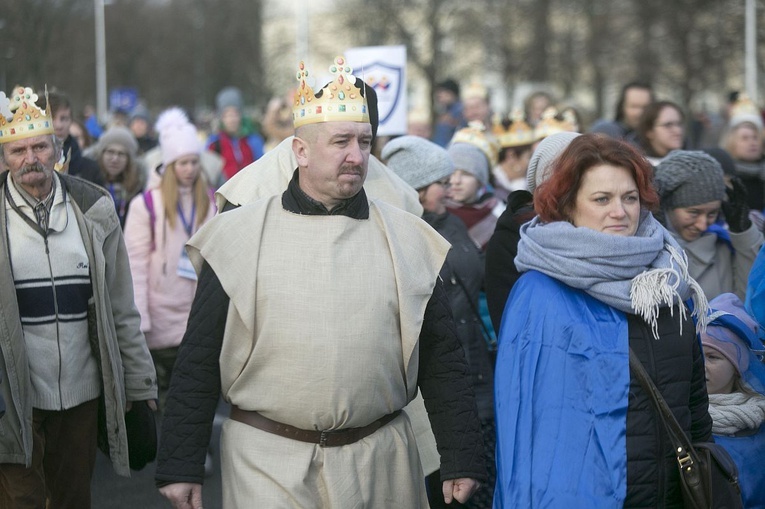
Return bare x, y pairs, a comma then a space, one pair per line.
162, 296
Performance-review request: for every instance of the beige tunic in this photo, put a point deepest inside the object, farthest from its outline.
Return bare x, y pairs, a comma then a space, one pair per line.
321, 334
270, 175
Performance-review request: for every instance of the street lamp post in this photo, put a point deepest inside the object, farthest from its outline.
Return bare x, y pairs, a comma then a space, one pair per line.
100, 61
750, 50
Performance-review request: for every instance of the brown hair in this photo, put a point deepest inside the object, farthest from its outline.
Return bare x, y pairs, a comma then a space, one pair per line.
554, 199
648, 122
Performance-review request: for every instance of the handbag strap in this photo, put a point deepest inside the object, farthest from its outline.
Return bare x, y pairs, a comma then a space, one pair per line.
682, 446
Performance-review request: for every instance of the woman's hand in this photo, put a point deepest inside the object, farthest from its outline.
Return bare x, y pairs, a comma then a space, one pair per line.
736, 208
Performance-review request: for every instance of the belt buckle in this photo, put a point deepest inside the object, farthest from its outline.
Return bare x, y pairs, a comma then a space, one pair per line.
324, 437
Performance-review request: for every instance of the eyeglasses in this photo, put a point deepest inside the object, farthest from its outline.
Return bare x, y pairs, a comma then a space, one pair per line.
670, 125
116, 154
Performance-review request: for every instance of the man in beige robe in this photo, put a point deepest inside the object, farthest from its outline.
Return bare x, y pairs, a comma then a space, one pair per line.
319, 314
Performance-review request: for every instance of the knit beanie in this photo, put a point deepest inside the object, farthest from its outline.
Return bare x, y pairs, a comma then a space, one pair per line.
140, 111
229, 97
727, 341
417, 161
540, 164
121, 136
689, 177
469, 158
177, 136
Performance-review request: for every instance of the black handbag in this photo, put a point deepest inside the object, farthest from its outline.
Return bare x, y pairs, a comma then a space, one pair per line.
140, 421
708, 474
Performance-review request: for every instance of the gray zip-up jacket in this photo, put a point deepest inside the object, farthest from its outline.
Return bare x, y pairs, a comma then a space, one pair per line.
125, 362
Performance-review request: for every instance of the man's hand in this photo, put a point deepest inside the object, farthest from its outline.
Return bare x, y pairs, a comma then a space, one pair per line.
459, 489
183, 495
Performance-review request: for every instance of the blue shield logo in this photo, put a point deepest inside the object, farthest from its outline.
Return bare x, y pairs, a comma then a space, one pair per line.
387, 81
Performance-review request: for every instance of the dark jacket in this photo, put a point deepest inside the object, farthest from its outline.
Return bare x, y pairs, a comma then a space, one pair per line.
652, 475
462, 275
81, 166
501, 273
195, 386
2, 401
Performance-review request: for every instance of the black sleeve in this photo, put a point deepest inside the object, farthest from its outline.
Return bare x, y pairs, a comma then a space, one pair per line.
701, 422
501, 273
447, 390
194, 388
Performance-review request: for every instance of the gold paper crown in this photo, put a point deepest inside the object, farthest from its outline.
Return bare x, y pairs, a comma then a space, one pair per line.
517, 134
475, 90
475, 134
27, 118
340, 101
552, 123
745, 110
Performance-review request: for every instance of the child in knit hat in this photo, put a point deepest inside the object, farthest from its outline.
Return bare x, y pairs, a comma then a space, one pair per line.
736, 386
474, 152
693, 194
160, 222
233, 142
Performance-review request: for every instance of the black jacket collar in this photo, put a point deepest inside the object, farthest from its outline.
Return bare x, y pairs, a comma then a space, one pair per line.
295, 200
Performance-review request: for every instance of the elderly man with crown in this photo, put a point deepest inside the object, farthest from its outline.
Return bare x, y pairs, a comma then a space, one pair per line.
318, 315
69, 329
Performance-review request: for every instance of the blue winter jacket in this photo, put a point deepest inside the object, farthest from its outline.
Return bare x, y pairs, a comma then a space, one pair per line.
573, 429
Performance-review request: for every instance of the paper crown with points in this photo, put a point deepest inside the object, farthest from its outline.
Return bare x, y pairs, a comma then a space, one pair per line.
21, 118
340, 101
475, 134
552, 123
475, 90
745, 110
516, 134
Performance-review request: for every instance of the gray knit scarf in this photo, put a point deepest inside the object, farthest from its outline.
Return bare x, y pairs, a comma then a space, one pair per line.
638, 274
735, 412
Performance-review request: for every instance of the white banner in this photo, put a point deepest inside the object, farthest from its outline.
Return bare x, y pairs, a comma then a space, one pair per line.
384, 69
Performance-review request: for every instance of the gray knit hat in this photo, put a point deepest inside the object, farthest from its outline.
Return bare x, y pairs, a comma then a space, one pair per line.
689, 177
541, 160
470, 158
229, 97
121, 136
417, 161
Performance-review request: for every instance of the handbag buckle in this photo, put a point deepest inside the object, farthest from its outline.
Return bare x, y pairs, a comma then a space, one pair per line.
684, 459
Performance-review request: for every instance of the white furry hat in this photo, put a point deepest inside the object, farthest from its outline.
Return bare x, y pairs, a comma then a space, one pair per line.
177, 136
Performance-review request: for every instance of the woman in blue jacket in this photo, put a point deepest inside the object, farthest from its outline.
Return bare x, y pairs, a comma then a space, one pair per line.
600, 276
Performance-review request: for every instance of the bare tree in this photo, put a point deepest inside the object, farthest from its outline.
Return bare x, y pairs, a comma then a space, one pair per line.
183, 51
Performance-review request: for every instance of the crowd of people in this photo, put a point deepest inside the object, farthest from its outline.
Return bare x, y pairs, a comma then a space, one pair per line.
440, 319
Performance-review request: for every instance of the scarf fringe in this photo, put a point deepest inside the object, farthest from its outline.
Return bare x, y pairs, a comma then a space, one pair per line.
654, 289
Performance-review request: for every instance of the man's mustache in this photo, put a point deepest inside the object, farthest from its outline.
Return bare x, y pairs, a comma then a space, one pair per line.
351, 170
30, 168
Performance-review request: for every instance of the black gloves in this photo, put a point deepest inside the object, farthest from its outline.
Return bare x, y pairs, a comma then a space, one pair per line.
735, 208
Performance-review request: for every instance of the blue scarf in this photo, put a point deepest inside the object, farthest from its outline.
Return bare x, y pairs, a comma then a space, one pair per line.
637, 274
